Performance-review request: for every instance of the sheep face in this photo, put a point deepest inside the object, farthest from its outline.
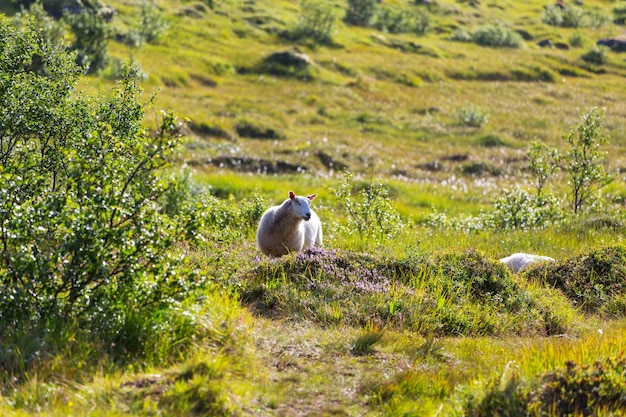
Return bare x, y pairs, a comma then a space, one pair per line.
301, 206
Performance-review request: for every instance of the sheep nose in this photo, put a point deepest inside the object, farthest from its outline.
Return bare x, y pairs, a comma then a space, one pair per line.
307, 216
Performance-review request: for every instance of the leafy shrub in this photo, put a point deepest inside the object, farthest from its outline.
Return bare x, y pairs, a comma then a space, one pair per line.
394, 20
497, 36
91, 35
150, 27
583, 159
544, 163
519, 209
570, 16
470, 115
594, 280
316, 21
360, 12
619, 13
576, 40
370, 214
461, 35
52, 32
597, 55
85, 240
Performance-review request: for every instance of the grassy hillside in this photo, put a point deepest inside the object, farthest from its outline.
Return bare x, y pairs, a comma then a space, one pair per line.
419, 107
373, 98
412, 315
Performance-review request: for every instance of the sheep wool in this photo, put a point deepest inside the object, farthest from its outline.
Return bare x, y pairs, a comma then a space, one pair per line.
519, 261
289, 227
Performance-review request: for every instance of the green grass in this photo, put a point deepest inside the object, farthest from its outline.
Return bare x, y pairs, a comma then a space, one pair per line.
451, 326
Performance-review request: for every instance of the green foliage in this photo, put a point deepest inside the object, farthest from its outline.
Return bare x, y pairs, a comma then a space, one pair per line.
84, 239
519, 209
395, 20
470, 116
51, 31
619, 13
583, 160
497, 36
360, 12
461, 35
370, 213
544, 163
594, 280
316, 21
581, 389
91, 35
576, 40
149, 28
569, 16
597, 55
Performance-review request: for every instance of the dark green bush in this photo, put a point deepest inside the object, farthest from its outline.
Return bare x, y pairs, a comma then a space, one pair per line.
316, 22
150, 27
497, 36
360, 12
85, 240
395, 20
91, 35
581, 389
594, 280
597, 55
577, 390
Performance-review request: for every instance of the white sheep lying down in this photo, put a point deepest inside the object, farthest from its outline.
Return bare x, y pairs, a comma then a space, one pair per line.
519, 261
289, 227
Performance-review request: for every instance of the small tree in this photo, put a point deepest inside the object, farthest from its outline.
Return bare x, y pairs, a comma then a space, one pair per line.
370, 212
83, 237
543, 164
583, 161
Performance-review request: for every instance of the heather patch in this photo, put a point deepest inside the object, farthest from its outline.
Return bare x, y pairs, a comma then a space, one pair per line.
447, 293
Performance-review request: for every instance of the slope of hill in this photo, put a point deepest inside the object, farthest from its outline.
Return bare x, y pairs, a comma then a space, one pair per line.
397, 102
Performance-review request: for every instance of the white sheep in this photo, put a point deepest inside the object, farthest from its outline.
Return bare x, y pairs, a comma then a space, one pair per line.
289, 227
519, 261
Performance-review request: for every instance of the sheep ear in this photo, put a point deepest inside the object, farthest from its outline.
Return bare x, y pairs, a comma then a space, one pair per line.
312, 197
292, 195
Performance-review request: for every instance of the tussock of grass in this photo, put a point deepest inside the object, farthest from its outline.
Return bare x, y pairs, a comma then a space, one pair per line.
595, 280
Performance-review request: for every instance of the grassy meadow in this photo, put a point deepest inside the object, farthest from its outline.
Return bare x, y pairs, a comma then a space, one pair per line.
404, 312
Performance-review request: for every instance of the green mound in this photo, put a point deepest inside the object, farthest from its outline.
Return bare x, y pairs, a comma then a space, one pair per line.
445, 293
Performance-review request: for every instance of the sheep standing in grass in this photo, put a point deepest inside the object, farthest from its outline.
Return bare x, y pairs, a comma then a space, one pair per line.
289, 227
519, 261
